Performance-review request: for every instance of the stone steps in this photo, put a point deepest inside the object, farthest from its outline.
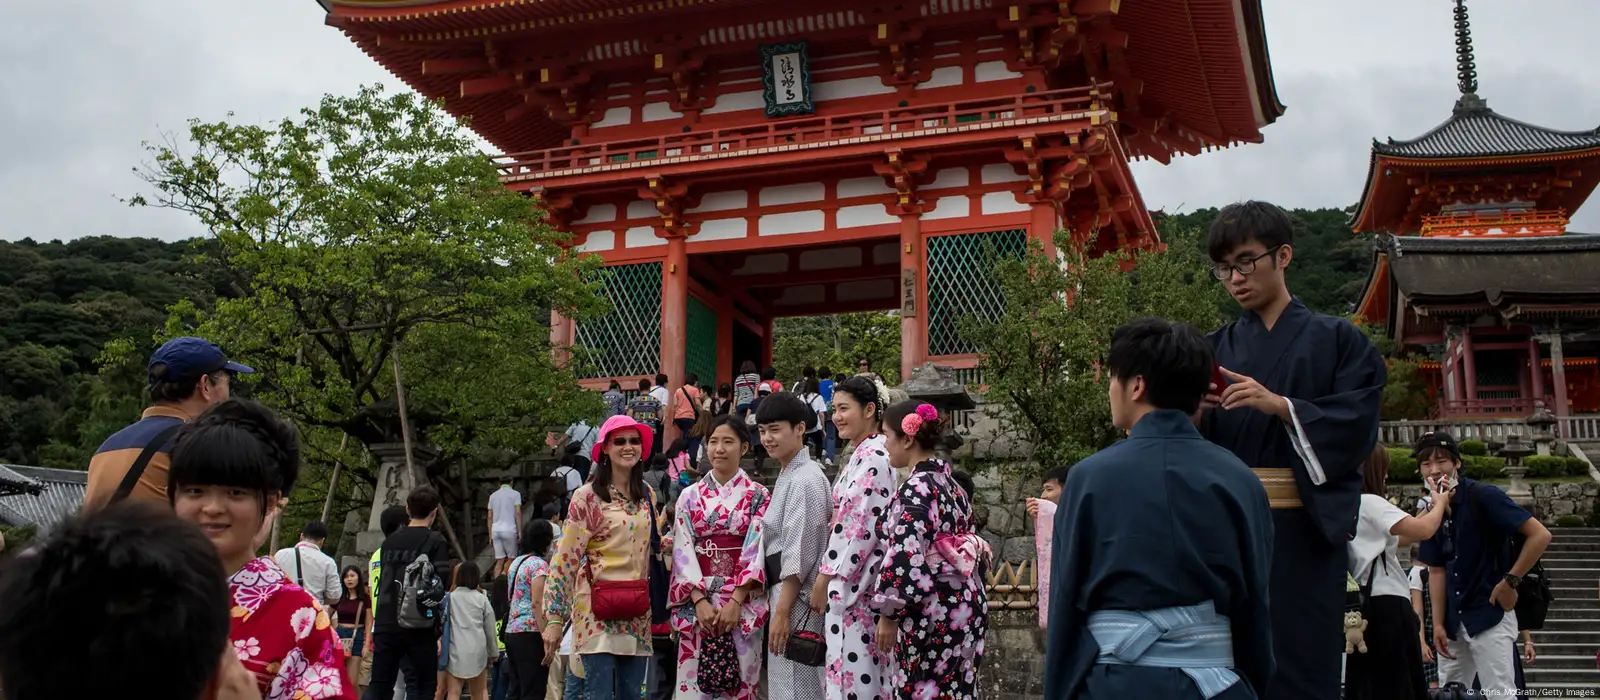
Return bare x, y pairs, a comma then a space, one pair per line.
1540, 677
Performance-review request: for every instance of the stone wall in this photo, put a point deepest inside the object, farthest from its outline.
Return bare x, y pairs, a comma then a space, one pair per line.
1000, 510
1550, 501
1013, 657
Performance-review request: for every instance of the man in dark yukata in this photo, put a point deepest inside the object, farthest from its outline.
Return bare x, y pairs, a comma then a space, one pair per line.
1163, 543
1300, 407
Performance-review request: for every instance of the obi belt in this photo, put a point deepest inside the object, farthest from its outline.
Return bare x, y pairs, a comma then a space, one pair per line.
1193, 638
719, 555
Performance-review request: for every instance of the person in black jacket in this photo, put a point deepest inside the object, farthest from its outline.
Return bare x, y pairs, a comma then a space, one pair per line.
390, 641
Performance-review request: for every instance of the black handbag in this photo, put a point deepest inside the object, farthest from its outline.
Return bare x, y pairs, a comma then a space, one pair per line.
806, 647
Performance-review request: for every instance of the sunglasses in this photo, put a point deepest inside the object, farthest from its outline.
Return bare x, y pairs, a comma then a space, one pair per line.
625, 441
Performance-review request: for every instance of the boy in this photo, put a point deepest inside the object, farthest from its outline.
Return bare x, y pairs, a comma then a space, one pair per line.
1300, 407
1051, 491
795, 533
1475, 620
647, 409
1183, 584
391, 642
505, 523
128, 599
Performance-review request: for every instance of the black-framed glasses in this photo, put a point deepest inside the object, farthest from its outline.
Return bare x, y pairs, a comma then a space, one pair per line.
626, 441
1223, 271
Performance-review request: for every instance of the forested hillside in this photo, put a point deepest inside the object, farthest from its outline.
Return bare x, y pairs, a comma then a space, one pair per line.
60, 303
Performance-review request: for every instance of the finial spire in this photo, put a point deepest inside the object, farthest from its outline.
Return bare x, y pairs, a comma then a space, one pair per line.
1466, 67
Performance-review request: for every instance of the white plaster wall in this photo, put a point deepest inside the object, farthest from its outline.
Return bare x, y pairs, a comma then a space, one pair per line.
792, 194
943, 77
1002, 203
616, 116
1001, 172
658, 111
863, 187
737, 101
642, 237
599, 213
845, 89
598, 241
722, 201
830, 258
721, 230
642, 209
993, 70
793, 222
950, 208
949, 177
865, 215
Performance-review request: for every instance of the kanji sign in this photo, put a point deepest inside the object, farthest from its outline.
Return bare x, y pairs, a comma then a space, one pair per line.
786, 78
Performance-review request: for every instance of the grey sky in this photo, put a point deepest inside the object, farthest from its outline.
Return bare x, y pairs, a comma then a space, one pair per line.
85, 81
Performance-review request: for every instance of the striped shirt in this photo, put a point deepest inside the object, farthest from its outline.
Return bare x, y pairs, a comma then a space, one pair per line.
117, 454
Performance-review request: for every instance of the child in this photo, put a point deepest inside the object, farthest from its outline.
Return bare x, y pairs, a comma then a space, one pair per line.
473, 643
680, 471
159, 617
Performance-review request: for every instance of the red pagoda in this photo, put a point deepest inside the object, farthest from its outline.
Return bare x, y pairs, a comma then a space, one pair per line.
734, 161
1476, 266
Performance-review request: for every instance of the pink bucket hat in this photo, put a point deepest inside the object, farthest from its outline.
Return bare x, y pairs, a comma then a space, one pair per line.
616, 423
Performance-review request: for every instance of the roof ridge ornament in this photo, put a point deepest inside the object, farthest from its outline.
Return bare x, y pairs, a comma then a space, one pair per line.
1466, 67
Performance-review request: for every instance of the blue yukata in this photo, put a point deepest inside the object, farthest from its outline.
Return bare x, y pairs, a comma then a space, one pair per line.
1159, 570
1333, 378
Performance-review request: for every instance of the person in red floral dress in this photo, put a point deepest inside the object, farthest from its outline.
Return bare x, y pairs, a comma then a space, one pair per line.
231, 469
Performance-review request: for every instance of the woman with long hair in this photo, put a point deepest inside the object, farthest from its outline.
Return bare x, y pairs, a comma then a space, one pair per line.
231, 471
473, 646
1391, 668
811, 394
860, 495
525, 616
352, 614
717, 594
599, 577
931, 605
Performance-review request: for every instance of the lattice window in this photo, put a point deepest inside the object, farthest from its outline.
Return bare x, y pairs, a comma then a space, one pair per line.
700, 355
961, 284
627, 340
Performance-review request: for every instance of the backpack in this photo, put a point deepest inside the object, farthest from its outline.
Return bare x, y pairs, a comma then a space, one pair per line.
1533, 592
421, 595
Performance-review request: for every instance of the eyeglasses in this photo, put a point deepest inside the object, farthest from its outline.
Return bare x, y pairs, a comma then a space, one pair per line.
1223, 271
624, 442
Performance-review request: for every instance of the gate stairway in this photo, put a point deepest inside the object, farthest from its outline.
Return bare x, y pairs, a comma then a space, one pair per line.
1567, 645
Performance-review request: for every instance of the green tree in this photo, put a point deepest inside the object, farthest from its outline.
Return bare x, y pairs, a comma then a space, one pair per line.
369, 228
838, 342
1041, 356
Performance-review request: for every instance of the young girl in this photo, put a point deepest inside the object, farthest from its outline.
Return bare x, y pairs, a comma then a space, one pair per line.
680, 471
930, 600
353, 613
232, 468
525, 619
472, 635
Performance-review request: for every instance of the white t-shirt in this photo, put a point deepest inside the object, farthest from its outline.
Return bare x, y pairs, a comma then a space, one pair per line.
661, 394
1372, 538
569, 477
318, 571
503, 503
1416, 577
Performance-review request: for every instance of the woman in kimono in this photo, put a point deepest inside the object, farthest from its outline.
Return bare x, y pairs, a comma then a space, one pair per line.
231, 468
718, 606
931, 605
605, 545
856, 668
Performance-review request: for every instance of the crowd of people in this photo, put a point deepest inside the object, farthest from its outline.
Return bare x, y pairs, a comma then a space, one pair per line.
1206, 555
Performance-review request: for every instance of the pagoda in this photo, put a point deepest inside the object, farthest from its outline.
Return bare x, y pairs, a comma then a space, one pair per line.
735, 161
1475, 266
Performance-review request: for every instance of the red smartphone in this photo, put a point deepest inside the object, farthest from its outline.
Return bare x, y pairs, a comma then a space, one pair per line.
1218, 379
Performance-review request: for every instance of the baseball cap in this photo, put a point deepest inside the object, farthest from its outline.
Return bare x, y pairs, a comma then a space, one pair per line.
1437, 440
184, 358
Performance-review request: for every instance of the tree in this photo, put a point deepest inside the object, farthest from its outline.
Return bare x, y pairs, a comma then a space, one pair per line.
838, 342
1041, 356
369, 228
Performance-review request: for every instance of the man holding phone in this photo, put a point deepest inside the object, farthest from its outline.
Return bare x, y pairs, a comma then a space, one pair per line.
1297, 401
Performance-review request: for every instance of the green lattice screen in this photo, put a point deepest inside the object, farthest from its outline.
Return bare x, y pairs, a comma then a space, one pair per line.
627, 340
961, 283
700, 355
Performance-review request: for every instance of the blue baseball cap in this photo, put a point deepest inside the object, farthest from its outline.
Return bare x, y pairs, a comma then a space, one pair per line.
186, 358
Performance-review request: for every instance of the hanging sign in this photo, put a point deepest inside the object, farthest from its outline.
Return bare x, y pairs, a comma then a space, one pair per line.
786, 79
908, 292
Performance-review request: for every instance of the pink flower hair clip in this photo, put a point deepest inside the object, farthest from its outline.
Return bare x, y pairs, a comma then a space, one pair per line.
913, 422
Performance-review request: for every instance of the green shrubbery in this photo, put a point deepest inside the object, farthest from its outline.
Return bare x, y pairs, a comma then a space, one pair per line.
1570, 521
1403, 468
1540, 466
1474, 448
1576, 467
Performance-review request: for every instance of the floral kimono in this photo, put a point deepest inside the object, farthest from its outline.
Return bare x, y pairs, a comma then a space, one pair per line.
717, 548
856, 669
284, 637
931, 581
606, 542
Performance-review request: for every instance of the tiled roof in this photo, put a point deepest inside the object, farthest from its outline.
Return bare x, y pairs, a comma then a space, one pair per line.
61, 496
12, 483
1536, 269
1474, 130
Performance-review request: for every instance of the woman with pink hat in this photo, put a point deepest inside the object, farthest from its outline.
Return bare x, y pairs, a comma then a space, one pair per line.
599, 579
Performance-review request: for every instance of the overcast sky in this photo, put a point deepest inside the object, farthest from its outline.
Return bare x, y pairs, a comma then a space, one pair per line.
84, 82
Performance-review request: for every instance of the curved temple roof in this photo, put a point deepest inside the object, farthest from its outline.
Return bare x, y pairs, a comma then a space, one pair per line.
1474, 130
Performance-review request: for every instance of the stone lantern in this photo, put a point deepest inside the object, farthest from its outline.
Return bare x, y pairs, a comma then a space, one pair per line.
1542, 422
937, 385
1514, 450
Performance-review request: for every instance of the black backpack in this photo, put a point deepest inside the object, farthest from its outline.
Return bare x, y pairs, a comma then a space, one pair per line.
1533, 592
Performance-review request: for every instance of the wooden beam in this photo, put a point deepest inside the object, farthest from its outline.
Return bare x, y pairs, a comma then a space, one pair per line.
453, 66
1090, 8
474, 87
800, 278
838, 307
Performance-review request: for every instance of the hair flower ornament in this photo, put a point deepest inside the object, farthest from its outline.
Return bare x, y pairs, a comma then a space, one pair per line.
928, 412
913, 422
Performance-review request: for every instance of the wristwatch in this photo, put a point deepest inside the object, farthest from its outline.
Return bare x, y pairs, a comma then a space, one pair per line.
1513, 579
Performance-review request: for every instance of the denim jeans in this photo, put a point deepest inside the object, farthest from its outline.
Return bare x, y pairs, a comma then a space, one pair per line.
830, 443
691, 444
613, 677
574, 689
